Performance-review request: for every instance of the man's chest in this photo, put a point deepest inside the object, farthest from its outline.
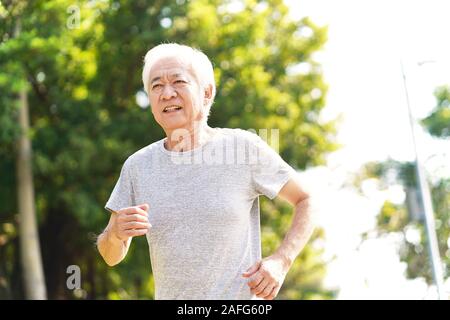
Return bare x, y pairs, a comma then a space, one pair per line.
206, 195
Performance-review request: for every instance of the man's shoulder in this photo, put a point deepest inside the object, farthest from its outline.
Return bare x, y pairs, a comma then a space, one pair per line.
143, 155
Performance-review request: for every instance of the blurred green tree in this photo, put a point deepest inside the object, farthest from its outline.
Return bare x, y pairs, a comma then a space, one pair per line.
438, 122
81, 64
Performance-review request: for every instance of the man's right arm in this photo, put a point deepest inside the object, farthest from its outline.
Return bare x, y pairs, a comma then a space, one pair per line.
123, 225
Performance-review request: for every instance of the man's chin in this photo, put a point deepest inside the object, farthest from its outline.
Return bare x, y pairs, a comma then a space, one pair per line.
174, 124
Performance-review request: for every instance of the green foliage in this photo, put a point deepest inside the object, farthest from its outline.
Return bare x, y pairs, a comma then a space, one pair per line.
438, 122
392, 217
82, 78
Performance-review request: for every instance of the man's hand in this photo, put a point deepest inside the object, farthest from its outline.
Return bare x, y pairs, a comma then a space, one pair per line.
130, 222
124, 224
267, 276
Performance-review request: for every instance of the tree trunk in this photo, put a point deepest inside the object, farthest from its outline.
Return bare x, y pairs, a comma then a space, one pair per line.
33, 275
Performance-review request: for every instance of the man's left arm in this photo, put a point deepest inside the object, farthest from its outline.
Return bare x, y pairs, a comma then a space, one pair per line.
267, 275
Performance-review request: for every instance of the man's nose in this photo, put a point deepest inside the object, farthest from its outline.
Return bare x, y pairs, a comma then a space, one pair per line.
168, 92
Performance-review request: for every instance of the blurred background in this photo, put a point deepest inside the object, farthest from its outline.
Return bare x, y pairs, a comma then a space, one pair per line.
360, 91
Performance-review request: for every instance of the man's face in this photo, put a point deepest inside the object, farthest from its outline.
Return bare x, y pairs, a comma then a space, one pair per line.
175, 96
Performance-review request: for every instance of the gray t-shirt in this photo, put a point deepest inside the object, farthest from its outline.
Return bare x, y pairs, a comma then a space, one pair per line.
204, 211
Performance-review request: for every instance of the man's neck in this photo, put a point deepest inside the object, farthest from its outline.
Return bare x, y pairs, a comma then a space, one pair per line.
185, 139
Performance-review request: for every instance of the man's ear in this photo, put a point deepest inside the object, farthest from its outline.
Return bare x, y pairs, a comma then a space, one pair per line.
207, 94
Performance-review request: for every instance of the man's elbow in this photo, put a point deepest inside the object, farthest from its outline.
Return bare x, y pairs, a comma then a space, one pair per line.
111, 262
306, 208
104, 251
303, 199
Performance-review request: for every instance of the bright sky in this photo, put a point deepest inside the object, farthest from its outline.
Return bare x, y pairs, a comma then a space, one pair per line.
361, 63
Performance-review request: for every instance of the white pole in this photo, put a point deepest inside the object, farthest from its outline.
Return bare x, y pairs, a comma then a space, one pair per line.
427, 206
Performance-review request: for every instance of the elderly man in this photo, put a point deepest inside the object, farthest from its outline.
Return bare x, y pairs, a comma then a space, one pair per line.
195, 193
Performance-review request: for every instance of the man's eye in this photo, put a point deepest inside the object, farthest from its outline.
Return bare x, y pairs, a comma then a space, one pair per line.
180, 81
156, 86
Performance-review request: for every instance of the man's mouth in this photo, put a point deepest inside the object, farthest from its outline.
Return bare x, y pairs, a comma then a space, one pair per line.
169, 109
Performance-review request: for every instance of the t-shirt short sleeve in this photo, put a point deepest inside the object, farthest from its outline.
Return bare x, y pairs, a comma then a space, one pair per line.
122, 195
269, 171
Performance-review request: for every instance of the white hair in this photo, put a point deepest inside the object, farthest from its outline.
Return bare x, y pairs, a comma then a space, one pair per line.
200, 65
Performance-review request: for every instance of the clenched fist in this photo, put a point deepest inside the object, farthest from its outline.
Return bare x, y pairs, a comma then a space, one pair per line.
267, 276
130, 222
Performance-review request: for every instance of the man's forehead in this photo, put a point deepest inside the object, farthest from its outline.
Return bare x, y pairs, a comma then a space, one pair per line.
168, 66
171, 72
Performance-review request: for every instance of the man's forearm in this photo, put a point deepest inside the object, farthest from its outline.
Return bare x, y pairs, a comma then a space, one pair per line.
113, 250
298, 234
